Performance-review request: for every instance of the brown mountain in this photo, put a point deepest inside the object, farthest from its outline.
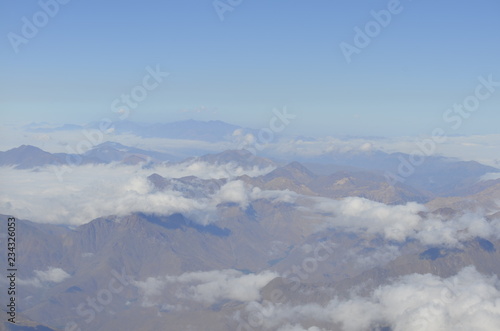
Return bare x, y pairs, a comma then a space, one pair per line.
296, 177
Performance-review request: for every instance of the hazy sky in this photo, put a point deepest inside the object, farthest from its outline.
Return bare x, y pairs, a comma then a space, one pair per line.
263, 55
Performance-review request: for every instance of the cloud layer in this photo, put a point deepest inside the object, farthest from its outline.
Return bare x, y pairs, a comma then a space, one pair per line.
402, 222
466, 301
92, 191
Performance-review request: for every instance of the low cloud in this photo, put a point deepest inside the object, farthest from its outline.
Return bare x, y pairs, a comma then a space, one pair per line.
362, 215
479, 148
452, 232
241, 193
490, 176
402, 222
466, 301
42, 278
206, 287
92, 191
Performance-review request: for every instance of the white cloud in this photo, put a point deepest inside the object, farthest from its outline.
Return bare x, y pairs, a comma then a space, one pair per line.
363, 215
41, 278
401, 222
92, 191
451, 232
235, 191
286, 196
466, 301
241, 193
321, 146
206, 287
490, 176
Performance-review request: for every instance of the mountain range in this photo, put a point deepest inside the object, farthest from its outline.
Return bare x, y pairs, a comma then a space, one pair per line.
316, 233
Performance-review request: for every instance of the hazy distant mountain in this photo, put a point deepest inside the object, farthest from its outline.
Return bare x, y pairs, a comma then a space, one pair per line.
211, 131
440, 175
112, 152
47, 128
27, 156
437, 177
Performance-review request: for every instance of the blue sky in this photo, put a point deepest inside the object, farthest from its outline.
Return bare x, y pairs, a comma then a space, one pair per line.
263, 55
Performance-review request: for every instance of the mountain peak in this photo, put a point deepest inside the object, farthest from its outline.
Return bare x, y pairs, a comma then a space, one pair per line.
293, 170
27, 148
27, 156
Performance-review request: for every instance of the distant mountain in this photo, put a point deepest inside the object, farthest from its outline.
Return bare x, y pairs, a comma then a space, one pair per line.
27, 156
115, 152
47, 128
440, 175
211, 131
